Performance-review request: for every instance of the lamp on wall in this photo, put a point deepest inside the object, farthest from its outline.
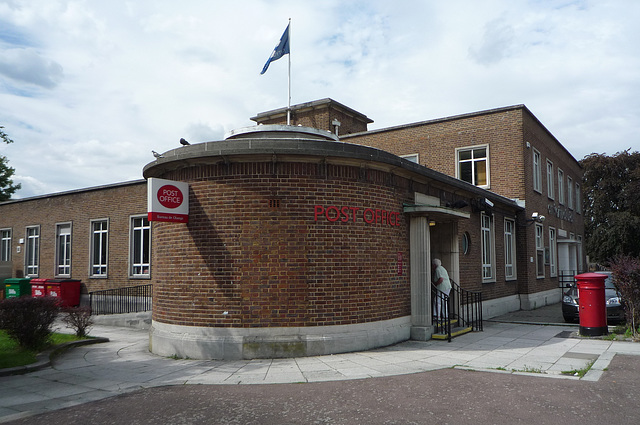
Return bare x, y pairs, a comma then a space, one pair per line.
535, 218
432, 223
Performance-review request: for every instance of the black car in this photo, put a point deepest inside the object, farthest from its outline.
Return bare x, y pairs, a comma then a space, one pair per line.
615, 311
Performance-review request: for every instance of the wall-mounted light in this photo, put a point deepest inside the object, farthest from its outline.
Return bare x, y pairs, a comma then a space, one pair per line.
535, 218
432, 223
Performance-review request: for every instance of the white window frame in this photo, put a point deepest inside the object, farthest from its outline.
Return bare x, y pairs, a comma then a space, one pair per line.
5, 244
99, 248
537, 171
510, 271
63, 250
553, 269
473, 162
139, 266
578, 199
560, 186
569, 192
550, 180
539, 236
488, 245
32, 251
414, 157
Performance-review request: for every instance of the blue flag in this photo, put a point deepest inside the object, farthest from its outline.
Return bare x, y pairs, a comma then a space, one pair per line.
281, 49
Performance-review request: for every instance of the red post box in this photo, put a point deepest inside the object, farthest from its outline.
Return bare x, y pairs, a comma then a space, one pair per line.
592, 304
68, 290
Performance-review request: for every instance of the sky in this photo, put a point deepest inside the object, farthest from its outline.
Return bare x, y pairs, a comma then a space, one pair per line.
88, 87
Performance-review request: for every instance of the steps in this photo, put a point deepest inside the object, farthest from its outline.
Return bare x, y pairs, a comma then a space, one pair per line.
457, 331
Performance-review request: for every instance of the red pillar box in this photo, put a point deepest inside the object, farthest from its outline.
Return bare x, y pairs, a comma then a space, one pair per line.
68, 290
592, 304
38, 288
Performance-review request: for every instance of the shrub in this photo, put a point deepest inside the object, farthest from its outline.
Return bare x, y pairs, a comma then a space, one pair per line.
79, 319
28, 320
626, 278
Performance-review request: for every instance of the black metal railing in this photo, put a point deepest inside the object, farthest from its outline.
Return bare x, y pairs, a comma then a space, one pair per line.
566, 278
132, 299
461, 308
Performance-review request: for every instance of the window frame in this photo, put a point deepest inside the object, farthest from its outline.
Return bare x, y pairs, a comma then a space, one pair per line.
473, 164
537, 170
510, 249
32, 252
569, 192
5, 243
550, 180
578, 199
65, 250
104, 249
488, 246
553, 252
413, 157
539, 239
561, 194
134, 231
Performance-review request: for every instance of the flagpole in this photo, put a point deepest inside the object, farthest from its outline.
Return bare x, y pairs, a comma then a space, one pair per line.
289, 79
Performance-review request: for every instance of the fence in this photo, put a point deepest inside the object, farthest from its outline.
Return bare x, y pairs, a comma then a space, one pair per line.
132, 299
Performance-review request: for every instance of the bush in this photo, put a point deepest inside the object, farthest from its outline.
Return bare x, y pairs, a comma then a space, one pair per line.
626, 278
28, 320
79, 319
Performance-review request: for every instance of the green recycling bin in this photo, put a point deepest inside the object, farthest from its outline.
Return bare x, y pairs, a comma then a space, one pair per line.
17, 287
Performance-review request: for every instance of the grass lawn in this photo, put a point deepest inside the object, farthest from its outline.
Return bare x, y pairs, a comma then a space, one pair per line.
12, 355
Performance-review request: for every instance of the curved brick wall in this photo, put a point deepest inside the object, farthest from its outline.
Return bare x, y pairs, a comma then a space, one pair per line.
284, 254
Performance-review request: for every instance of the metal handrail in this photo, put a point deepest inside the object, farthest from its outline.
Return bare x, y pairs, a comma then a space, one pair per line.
131, 299
461, 306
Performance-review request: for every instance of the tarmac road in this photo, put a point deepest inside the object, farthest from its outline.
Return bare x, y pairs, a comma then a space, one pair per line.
447, 396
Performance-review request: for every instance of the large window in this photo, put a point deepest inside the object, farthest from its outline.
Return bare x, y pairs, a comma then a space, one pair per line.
537, 171
539, 250
578, 199
473, 165
140, 257
5, 245
560, 186
553, 270
509, 249
32, 253
488, 248
99, 247
550, 186
63, 250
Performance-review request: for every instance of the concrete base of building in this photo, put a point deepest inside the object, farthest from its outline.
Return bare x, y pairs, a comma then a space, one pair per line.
540, 299
500, 306
255, 343
421, 333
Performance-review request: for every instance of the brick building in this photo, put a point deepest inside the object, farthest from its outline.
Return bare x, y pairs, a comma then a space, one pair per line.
316, 238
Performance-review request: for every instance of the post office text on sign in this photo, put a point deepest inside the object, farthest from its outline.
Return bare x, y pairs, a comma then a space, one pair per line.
333, 213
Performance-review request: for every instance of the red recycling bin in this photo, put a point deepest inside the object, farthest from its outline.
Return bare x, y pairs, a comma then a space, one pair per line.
38, 287
68, 290
592, 304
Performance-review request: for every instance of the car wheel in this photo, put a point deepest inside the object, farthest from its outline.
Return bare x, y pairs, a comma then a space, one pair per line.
569, 319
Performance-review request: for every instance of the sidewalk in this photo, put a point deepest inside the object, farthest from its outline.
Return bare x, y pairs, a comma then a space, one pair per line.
124, 364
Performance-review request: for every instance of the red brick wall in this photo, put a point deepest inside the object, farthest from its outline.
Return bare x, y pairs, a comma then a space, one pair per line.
274, 264
116, 203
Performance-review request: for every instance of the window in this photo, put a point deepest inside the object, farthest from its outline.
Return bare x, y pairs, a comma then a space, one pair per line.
560, 186
466, 243
473, 165
32, 253
570, 192
63, 250
140, 251
553, 271
413, 158
580, 255
5, 245
578, 199
550, 191
539, 250
537, 172
487, 248
99, 247
509, 249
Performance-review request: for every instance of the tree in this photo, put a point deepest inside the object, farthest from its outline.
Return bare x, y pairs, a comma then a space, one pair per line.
611, 189
7, 188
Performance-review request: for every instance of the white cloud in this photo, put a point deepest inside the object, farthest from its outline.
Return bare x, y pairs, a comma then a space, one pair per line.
91, 87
